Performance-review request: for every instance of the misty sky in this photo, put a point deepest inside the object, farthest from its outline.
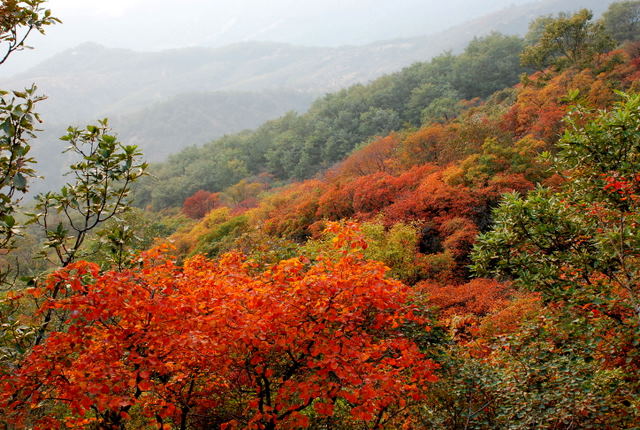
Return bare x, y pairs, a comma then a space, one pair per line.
164, 24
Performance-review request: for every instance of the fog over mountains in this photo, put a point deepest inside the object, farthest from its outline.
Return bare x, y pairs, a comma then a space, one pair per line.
166, 100
153, 25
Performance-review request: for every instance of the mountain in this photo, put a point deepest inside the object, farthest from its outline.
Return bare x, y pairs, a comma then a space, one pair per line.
91, 80
164, 128
196, 118
136, 88
225, 22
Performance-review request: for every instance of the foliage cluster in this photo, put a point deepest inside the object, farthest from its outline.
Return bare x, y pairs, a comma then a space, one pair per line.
212, 343
443, 178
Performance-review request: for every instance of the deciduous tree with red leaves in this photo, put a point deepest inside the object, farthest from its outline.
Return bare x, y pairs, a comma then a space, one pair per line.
215, 344
200, 203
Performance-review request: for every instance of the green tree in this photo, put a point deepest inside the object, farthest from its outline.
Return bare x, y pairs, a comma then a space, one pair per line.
18, 124
566, 41
378, 121
442, 109
536, 29
488, 64
578, 248
18, 121
622, 20
558, 243
433, 102
99, 189
18, 118
120, 239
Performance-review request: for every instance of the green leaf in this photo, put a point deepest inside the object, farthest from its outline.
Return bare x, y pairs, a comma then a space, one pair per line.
20, 182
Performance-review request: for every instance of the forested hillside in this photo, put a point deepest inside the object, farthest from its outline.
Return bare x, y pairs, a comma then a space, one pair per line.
298, 146
452, 246
248, 83
182, 121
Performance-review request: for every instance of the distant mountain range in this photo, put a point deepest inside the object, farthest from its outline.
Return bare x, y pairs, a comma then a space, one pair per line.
195, 117
164, 101
92, 80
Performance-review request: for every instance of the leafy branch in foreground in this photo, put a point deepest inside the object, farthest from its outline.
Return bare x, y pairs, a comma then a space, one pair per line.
581, 243
17, 116
17, 125
99, 190
18, 19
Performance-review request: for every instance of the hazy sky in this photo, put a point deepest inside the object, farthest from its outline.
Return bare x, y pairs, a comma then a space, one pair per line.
163, 24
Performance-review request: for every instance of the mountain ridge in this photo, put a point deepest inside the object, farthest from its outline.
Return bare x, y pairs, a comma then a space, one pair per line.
248, 66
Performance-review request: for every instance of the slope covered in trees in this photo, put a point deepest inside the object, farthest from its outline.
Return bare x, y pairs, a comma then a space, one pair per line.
478, 270
298, 146
443, 170
150, 96
179, 122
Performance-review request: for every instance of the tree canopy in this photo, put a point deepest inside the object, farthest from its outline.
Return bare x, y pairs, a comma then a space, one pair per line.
622, 20
568, 40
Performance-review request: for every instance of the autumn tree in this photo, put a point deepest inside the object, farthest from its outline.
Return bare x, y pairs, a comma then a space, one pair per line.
215, 344
567, 41
200, 203
369, 158
242, 193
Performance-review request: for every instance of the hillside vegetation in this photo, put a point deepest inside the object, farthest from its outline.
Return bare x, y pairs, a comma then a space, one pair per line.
298, 146
151, 96
453, 246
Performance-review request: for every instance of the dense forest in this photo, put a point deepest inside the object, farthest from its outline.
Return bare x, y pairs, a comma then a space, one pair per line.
452, 246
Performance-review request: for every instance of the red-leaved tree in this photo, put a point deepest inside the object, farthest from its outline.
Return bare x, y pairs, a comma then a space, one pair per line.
213, 344
200, 203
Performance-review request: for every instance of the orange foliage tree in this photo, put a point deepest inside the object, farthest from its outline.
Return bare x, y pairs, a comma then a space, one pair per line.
215, 344
371, 158
290, 210
478, 297
435, 200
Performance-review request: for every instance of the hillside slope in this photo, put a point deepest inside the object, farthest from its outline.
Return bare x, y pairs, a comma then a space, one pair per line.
92, 80
468, 259
142, 89
164, 128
